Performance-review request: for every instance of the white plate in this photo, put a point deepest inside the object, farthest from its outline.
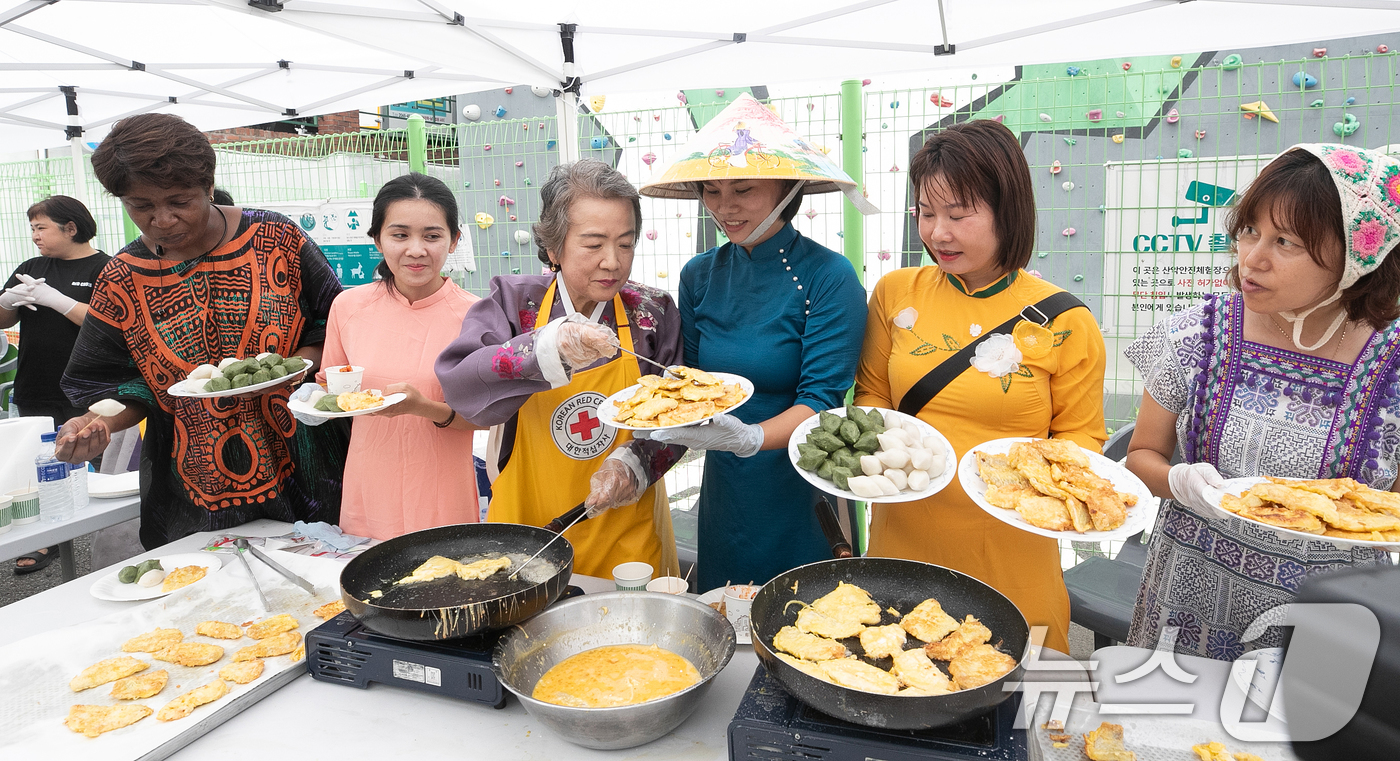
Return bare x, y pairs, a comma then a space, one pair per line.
935, 485
108, 588
297, 405
179, 388
715, 595
1238, 486
120, 485
1139, 515
608, 409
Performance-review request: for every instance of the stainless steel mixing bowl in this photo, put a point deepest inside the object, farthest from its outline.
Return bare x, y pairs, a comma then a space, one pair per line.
674, 622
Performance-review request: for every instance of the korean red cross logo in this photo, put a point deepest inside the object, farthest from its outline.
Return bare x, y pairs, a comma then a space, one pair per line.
576, 428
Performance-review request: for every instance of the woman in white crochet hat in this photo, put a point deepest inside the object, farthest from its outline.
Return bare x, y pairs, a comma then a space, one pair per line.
775, 307
1293, 374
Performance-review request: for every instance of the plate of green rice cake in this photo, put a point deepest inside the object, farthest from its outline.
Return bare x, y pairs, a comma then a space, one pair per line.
234, 377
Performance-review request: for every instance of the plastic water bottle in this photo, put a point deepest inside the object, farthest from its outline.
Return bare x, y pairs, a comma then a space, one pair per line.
78, 475
55, 490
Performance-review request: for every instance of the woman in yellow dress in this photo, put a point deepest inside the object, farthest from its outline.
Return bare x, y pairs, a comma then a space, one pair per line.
1028, 376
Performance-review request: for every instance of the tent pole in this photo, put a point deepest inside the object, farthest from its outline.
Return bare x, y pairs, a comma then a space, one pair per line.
75, 145
567, 101
417, 144
853, 231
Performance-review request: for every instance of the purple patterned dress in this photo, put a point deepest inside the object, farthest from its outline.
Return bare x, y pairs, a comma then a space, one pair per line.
1254, 410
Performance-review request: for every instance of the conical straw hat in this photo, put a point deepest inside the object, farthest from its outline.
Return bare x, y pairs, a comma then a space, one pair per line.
747, 141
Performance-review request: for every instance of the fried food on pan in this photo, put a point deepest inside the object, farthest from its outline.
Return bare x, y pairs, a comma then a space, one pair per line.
813, 621
658, 382
917, 672
850, 603
219, 630
141, 686
94, 720
1106, 744
808, 647
859, 675
807, 667
439, 567
184, 705
928, 622
299, 653
106, 671
182, 577
969, 633
190, 654
979, 665
330, 610
882, 641
243, 672
153, 641
277, 644
267, 627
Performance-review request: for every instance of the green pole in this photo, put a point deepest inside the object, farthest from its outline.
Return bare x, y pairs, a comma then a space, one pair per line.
853, 222
417, 144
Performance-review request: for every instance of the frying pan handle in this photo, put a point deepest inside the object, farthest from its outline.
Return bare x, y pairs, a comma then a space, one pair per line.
831, 526
562, 522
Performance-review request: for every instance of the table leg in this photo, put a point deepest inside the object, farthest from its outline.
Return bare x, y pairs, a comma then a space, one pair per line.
67, 560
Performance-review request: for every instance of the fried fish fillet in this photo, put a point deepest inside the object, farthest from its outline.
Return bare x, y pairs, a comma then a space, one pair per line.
94, 720
808, 647
1106, 744
859, 675
282, 622
702, 393
1352, 518
330, 610
1061, 451
996, 470
219, 630
182, 577
1006, 497
1045, 512
928, 622
106, 671
970, 632
917, 672
190, 654
813, 621
848, 602
277, 644
153, 641
1104, 504
1079, 515
242, 673
1376, 501
649, 409
807, 667
696, 376
733, 394
139, 687
659, 382
1297, 499
1277, 515
883, 641
687, 412
1331, 488
1036, 469
979, 665
184, 705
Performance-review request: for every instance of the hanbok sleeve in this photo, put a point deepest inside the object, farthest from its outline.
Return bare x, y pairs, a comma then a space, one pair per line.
492, 368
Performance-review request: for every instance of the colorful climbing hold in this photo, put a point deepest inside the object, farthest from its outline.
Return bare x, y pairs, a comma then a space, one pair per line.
719, 93
1119, 114
999, 118
1350, 101
1232, 62
549, 145
1118, 138
894, 104
864, 82
666, 135
1200, 134
525, 127
1261, 108
1047, 118
1067, 185
1184, 153
1173, 116
663, 274
540, 91
506, 201
505, 254
598, 142
1055, 167
1382, 48
1347, 126
651, 235
520, 163
467, 184
486, 147
500, 111
527, 180
1127, 65
1068, 231
512, 217
1304, 80
1041, 255
522, 236
656, 117
648, 158
632, 139
1073, 71
1094, 114
894, 168
498, 183
1176, 62
484, 220
1078, 278
1319, 52
937, 99
515, 270
811, 106
596, 102
811, 213
884, 125
1035, 273
884, 255
680, 96
1070, 141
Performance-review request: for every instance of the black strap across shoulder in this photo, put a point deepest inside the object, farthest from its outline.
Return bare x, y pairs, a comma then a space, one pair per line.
1041, 313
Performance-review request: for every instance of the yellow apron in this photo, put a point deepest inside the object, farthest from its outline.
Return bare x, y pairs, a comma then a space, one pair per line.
559, 444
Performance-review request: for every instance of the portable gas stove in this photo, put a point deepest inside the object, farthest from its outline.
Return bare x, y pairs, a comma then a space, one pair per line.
344, 651
772, 725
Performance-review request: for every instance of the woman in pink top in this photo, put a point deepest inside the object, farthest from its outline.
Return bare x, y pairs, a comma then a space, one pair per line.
410, 465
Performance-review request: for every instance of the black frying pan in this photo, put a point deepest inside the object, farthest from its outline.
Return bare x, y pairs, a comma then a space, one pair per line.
451, 607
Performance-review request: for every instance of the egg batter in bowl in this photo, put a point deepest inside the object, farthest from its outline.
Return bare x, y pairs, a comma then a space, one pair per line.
615, 675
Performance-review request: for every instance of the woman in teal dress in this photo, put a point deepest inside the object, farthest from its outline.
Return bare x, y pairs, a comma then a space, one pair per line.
776, 308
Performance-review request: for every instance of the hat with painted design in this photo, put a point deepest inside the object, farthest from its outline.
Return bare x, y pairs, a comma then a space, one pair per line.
747, 141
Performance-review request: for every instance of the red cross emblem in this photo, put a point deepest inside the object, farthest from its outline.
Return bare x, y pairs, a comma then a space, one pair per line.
584, 425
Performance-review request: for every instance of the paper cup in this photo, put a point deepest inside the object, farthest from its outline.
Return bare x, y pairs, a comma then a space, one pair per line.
5, 514
342, 381
24, 507
669, 585
738, 600
632, 577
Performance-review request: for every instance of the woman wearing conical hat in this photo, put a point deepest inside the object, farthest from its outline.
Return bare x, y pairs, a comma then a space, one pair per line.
775, 307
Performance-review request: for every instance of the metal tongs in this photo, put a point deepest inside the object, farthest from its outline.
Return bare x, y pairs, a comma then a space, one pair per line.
242, 544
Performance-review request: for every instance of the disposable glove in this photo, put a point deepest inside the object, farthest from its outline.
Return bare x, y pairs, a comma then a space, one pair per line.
723, 433
19, 296
613, 485
308, 393
46, 295
1189, 484
581, 343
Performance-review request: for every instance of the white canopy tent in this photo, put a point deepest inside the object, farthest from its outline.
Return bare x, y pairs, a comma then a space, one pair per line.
225, 63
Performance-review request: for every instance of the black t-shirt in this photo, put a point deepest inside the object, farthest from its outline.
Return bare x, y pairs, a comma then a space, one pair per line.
47, 337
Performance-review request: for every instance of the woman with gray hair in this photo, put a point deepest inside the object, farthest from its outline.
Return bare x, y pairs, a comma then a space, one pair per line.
538, 356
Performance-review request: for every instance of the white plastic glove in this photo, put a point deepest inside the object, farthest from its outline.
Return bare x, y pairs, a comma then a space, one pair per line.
46, 295
613, 485
308, 393
581, 343
723, 433
19, 296
1189, 483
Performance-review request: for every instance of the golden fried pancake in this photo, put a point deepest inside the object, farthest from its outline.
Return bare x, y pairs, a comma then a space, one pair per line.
665, 384
1331, 488
106, 671
996, 470
1296, 499
806, 667
882, 641
1006, 497
649, 409
182, 577
813, 621
918, 673
218, 630
687, 412
277, 644
1106, 744
330, 610
1061, 451
1275, 514
282, 622
733, 394
1376, 501
299, 653
242, 673
1352, 518
1036, 469
702, 393
1079, 515
850, 603
859, 675
184, 705
190, 654
1045, 512
153, 641
94, 720
808, 647
970, 632
141, 686
699, 377
1212, 752
979, 665
353, 401
928, 622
